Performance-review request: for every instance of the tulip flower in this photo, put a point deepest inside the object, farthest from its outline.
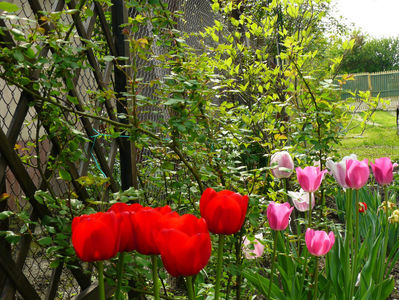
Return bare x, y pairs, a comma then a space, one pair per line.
318, 242
258, 249
95, 237
301, 200
338, 170
120, 207
125, 213
362, 207
146, 227
282, 163
184, 244
357, 173
310, 178
383, 170
223, 211
279, 215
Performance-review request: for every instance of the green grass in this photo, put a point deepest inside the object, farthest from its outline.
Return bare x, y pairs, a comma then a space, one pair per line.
378, 140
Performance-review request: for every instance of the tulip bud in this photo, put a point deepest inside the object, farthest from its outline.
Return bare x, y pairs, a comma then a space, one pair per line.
338, 170
357, 173
257, 250
282, 163
96, 237
318, 242
278, 215
301, 200
362, 207
383, 170
223, 211
184, 244
310, 178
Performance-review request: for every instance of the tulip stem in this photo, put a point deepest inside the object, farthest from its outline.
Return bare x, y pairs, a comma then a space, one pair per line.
154, 262
316, 277
219, 266
285, 189
356, 246
190, 289
310, 211
348, 236
121, 260
272, 265
101, 290
385, 245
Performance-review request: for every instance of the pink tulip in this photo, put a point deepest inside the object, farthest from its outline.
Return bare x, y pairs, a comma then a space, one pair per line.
357, 173
279, 215
338, 170
258, 249
310, 178
282, 163
301, 200
383, 170
318, 242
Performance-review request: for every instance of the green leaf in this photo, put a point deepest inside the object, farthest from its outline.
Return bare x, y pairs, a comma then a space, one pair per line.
172, 101
45, 241
18, 55
64, 175
8, 7
108, 58
5, 214
11, 237
262, 285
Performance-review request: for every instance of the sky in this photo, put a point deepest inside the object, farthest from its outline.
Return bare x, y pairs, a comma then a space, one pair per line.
378, 18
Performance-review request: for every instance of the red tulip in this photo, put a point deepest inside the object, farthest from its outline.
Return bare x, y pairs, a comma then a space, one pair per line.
146, 226
279, 215
120, 207
357, 173
318, 242
125, 213
362, 207
223, 211
184, 244
96, 237
310, 178
383, 170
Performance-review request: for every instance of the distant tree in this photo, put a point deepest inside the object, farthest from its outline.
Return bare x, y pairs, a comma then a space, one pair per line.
371, 55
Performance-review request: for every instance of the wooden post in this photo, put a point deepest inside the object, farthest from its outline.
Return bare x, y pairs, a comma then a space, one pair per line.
119, 17
397, 120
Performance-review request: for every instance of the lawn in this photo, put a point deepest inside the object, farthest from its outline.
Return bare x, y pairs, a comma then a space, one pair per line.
378, 140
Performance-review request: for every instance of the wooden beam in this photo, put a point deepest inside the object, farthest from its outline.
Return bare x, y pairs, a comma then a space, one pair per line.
20, 173
55, 280
18, 278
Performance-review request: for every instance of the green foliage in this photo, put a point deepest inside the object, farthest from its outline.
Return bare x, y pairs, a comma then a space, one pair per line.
371, 55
